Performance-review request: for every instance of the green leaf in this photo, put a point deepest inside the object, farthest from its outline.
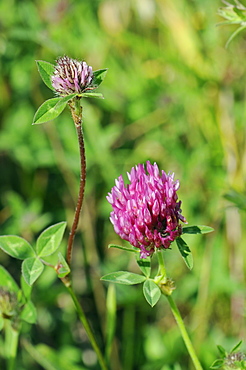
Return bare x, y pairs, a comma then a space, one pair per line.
128, 249
26, 288
62, 267
144, 265
6, 280
46, 70
217, 364
49, 240
48, 111
197, 229
32, 268
16, 247
151, 292
222, 350
242, 364
92, 95
98, 77
66, 98
176, 367
51, 109
124, 277
29, 313
238, 198
236, 347
239, 13
224, 23
234, 35
185, 252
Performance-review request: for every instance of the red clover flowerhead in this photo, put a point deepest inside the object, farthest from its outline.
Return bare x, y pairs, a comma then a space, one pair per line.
71, 76
146, 212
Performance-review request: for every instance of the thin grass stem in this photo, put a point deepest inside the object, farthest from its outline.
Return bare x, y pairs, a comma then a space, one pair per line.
87, 327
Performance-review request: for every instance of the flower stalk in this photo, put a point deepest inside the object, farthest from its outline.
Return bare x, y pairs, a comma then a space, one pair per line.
87, 327
71, 80
11, 344
162, 274
184, 333
76, 111
166, 285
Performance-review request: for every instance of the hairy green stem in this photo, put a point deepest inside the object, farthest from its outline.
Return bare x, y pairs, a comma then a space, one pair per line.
162, 274
166, 286
184, 333
11, 344
87, 327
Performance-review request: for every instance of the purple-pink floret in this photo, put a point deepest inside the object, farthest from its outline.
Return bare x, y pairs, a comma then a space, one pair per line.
146, 212
71, 76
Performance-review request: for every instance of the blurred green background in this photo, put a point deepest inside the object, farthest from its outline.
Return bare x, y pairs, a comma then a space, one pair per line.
173, 95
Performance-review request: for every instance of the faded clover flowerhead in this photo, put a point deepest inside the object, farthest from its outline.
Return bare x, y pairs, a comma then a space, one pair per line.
8, 303
233, 360
146, 212
71, 76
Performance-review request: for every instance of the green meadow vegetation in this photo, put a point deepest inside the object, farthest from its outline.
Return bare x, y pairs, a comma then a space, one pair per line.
174, 95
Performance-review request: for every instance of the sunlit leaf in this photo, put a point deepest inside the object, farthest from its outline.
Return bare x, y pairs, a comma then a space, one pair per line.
124, 277
236, 197
217, 364
6, 280
236, 347
51, 109
144, 265
151, 292
26, 288
128, 249
92, 95
31, 268
222, 350
197, 229
185, 252
16, 247
29, 313
234, 35
98, 77
62, 267
50, 239
46, 70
